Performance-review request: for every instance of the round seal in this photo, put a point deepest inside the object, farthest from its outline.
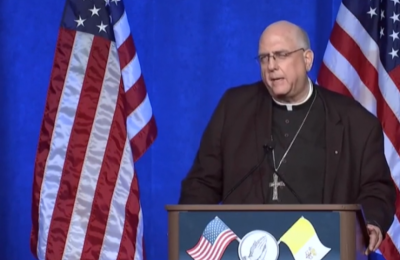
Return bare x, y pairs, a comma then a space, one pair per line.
258, 245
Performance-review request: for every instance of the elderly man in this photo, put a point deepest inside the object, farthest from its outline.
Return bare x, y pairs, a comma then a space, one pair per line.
305, 143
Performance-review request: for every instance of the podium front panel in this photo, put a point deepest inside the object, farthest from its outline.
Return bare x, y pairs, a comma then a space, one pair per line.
259, 235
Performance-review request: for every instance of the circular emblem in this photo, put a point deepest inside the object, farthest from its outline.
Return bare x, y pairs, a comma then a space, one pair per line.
258, 245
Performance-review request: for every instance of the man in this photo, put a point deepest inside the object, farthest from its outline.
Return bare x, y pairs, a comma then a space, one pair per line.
326, 147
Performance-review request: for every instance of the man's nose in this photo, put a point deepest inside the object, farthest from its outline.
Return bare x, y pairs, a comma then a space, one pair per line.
271, 63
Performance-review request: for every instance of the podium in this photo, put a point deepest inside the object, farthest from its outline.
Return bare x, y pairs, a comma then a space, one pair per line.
266, 232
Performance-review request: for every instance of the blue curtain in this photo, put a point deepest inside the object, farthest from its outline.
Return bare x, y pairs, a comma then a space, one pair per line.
190, 52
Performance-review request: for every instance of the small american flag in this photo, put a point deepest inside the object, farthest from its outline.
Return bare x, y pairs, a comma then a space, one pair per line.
97, 122
212, 244
362, 61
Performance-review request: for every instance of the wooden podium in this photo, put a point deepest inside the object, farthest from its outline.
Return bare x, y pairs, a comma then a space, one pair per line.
273, 232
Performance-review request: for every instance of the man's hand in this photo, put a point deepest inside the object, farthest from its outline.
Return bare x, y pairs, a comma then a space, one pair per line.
375, 238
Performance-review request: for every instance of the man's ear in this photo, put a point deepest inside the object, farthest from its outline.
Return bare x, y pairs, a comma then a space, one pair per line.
308, 59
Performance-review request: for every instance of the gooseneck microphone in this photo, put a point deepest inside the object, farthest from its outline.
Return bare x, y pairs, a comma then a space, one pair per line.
285, 182
267, 147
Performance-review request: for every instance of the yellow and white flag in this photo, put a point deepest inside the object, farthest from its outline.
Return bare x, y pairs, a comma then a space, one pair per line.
303, 241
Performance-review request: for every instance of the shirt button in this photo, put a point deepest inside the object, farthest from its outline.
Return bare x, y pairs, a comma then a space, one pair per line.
287, 121
286, 135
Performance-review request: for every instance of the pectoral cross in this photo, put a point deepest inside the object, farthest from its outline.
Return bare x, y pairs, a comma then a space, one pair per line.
275, 184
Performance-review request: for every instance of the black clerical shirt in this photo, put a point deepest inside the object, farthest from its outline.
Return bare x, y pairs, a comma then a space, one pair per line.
304, 165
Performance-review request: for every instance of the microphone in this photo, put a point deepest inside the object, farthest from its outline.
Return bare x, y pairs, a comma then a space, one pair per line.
285, 182
267, 148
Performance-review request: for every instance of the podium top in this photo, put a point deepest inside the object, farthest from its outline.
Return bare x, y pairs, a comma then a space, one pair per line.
265, 207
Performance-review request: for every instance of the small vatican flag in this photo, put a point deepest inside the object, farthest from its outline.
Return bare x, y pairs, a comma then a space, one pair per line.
303, 241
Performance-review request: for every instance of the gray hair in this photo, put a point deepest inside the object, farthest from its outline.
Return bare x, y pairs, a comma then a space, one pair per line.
304, 40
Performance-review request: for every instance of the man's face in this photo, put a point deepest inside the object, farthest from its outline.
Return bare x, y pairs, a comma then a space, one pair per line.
283, 64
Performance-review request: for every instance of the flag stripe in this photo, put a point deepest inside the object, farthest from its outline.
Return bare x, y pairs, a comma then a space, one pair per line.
393, 236
116, 220
330, 80
62, 59
352, 66
54, 187
228, 240
121, 27
348, 76
141, 125
206, 248
389, 250
135, 95
73, 174
131, 72
95, 154
106, 183
127, 51
144, 138
98, 80
139, 118
219, 249
131, 244
194, 251
201, 248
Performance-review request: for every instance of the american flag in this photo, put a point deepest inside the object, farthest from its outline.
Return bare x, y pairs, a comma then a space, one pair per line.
362, 61
212, 244
97, 122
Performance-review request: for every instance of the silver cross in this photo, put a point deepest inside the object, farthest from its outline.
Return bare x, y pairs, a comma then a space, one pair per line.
275, 184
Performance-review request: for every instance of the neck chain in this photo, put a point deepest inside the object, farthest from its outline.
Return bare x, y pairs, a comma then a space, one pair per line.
294, 138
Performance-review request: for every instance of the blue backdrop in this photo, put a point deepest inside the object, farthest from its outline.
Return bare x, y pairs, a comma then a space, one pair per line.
190, 52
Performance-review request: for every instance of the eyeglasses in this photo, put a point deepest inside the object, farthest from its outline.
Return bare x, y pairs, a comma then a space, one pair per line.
277, 56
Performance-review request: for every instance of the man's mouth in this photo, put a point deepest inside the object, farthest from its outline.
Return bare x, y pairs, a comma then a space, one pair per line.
277, 79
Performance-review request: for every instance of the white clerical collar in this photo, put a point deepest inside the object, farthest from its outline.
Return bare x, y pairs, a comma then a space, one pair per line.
290, 106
